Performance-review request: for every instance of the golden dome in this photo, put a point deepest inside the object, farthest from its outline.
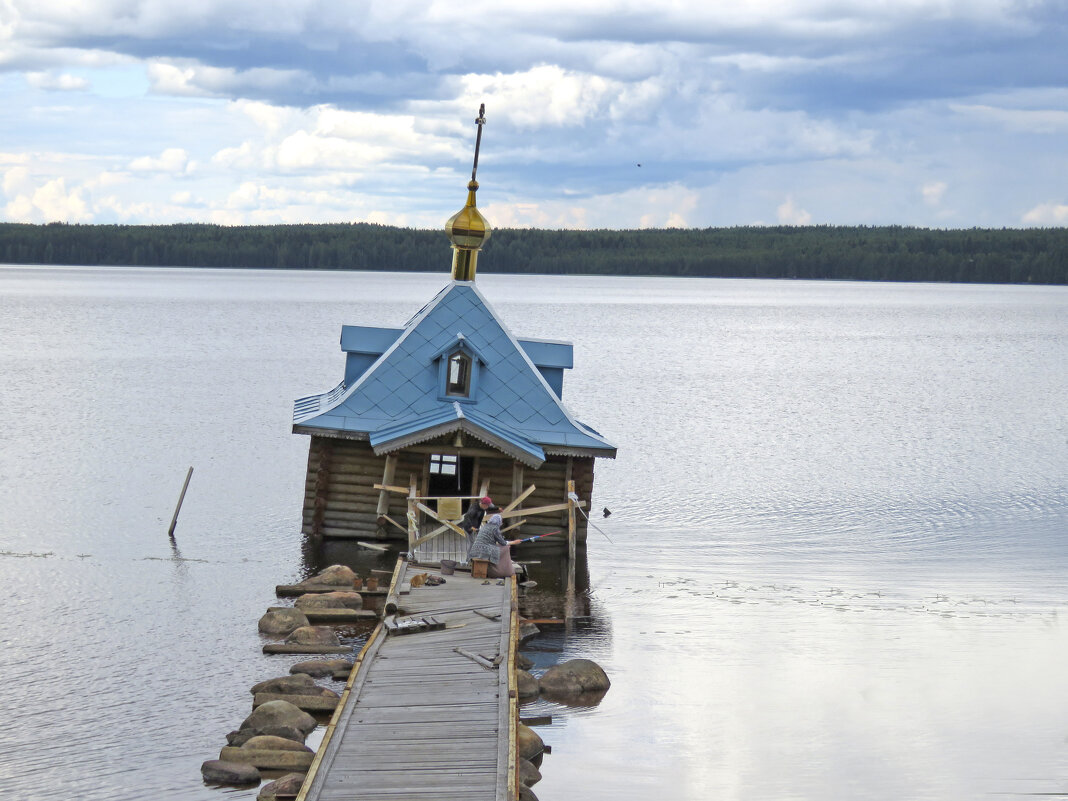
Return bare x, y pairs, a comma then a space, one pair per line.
467, 229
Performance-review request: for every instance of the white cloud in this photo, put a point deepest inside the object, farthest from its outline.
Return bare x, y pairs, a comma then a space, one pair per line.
49, 203
173, 160
1047, 214
788, 213
63, 82
932, 192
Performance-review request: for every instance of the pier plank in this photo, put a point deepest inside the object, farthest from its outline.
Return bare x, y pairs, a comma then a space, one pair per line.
419, 719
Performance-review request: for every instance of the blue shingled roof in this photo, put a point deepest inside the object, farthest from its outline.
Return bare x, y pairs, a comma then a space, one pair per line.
400, 398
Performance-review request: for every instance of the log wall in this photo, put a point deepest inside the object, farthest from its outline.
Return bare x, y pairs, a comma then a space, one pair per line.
340, 499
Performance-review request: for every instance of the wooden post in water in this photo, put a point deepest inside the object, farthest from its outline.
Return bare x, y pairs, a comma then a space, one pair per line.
178, 508
570, 610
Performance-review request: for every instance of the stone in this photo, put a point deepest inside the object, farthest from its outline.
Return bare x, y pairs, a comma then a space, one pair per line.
297, 684
269, 742
282, 621
574, 677
528, 744
526, 684
523, 662
283, 787
527, 630
526, 794
313, 635
338, 599
528, 774
242, 736
321, 667
276, 714
219, 771
335, 575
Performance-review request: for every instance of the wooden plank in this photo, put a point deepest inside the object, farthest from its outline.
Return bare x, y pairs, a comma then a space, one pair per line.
556, 507
391, 488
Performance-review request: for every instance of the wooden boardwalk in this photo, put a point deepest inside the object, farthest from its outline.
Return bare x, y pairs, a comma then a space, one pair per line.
418, 719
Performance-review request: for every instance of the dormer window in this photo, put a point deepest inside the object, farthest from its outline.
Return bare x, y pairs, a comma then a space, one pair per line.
458, 375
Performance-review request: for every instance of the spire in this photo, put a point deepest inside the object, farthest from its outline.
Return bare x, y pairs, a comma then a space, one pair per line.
467, 229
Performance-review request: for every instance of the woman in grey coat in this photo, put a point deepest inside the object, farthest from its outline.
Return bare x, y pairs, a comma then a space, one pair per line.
491, 545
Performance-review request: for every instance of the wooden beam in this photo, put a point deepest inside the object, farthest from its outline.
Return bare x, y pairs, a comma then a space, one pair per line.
387, 480
401, 490
388, 519
428, 511
516, 524
537, 510
525, 494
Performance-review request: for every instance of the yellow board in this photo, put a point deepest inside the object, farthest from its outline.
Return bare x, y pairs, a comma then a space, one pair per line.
450, 508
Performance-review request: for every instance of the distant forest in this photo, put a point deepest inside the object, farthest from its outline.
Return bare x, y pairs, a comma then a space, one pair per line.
883, 253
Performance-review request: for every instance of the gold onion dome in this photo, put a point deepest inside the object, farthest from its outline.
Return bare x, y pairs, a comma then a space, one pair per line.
467, 229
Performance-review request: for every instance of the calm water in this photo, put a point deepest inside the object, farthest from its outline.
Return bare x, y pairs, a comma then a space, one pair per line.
839, 529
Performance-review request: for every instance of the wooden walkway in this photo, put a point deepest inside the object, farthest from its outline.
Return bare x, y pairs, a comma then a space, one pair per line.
418, 719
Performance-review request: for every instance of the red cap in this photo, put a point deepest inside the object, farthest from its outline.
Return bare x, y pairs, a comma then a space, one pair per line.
486, 499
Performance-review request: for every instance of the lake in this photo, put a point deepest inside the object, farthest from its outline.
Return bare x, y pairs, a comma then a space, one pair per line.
836, 565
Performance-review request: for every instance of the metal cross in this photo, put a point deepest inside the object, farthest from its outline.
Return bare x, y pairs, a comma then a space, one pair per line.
479, 121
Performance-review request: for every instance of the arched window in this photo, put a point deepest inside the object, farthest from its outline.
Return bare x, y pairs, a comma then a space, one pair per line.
458, 375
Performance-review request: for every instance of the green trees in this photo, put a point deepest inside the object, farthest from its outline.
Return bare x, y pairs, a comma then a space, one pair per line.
888, 253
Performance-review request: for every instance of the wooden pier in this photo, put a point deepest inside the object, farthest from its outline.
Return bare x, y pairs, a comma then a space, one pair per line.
428, 713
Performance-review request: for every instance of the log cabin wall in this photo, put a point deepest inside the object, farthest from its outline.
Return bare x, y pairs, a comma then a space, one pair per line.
340, 499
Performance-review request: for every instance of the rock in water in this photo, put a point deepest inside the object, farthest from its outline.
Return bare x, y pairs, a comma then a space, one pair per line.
268, 742
313, 635
282, 621
297, 684
523, 662
528, 774
528, 744
574, 677
242, 736
285, 787
278, 714
526, 684
338, 575
321, 667
338, 599
219, 771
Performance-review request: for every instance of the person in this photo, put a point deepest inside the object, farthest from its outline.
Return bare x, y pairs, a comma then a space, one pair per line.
491, 545
472, 518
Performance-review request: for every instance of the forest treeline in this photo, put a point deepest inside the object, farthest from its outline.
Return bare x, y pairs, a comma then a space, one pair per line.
877, 253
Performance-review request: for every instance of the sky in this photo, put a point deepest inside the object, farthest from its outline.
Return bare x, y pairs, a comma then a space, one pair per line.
933, 113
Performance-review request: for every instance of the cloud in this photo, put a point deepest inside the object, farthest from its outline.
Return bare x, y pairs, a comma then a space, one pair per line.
789, 214
60, 83
49, 203
1047, 214
173, 160
932, 192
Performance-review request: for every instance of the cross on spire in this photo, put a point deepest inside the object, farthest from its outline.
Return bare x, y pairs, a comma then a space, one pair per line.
479, 121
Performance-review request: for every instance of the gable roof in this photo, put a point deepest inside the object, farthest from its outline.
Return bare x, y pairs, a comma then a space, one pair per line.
397, 401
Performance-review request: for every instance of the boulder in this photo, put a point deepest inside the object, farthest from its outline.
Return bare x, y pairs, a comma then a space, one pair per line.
282, 621
528, 774
523, 662
275, 715
574, 677
284, 787
335, 575
268, 742
218, 771
526, 794
526, 684
528, 744
321, 667
242, 736
527, 630
338, 599
313, 635
297, 684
